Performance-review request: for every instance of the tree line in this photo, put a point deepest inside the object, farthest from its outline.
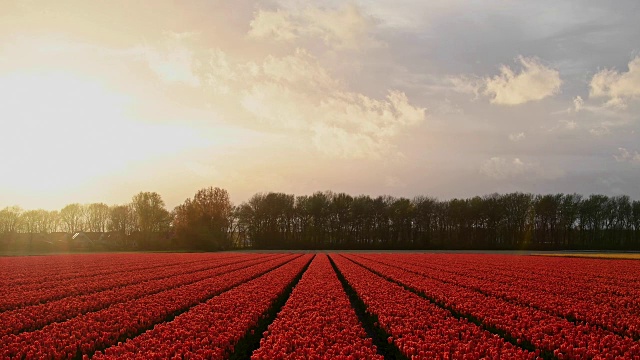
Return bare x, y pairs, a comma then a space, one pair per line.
137, 222
328, 220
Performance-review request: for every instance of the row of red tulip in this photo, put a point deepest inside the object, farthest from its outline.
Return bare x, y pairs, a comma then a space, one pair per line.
16, 299
31, 318
575, 296
93, 275
18, 269
85, 334
15, 271
586, 283
317, 322
610, 272
569, 298
544, 331
212, 329
419, 328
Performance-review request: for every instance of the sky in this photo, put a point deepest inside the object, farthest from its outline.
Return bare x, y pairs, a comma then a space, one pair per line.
446, 98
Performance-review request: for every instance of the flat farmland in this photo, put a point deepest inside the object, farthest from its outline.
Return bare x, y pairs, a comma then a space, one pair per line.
295, 305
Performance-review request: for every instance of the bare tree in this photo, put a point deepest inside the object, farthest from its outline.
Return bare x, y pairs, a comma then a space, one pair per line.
10, 219
72, 218
51, 222
121, 219
31, 221
97, 217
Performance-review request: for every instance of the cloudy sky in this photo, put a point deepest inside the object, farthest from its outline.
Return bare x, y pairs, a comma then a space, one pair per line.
448, 98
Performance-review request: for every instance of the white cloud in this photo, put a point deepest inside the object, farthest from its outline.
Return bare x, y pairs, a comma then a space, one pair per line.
341, 124
534, 82
608, 110
277, 105
624, 155
299, 68
220, 72
598, 118
342, 28
337, 142
516, 137
618, 87
578, 104
173, 61
295, 94
275, 24
370, 123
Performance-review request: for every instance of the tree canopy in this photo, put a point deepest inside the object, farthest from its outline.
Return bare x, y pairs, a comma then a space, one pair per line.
328, 220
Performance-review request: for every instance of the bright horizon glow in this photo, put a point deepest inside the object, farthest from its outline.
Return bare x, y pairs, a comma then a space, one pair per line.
443, 98
57, 128
67, 130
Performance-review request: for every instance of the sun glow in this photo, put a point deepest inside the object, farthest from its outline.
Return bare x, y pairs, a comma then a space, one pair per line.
60, 129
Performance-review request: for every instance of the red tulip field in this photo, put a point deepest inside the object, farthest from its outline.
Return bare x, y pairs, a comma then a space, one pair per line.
352, 305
